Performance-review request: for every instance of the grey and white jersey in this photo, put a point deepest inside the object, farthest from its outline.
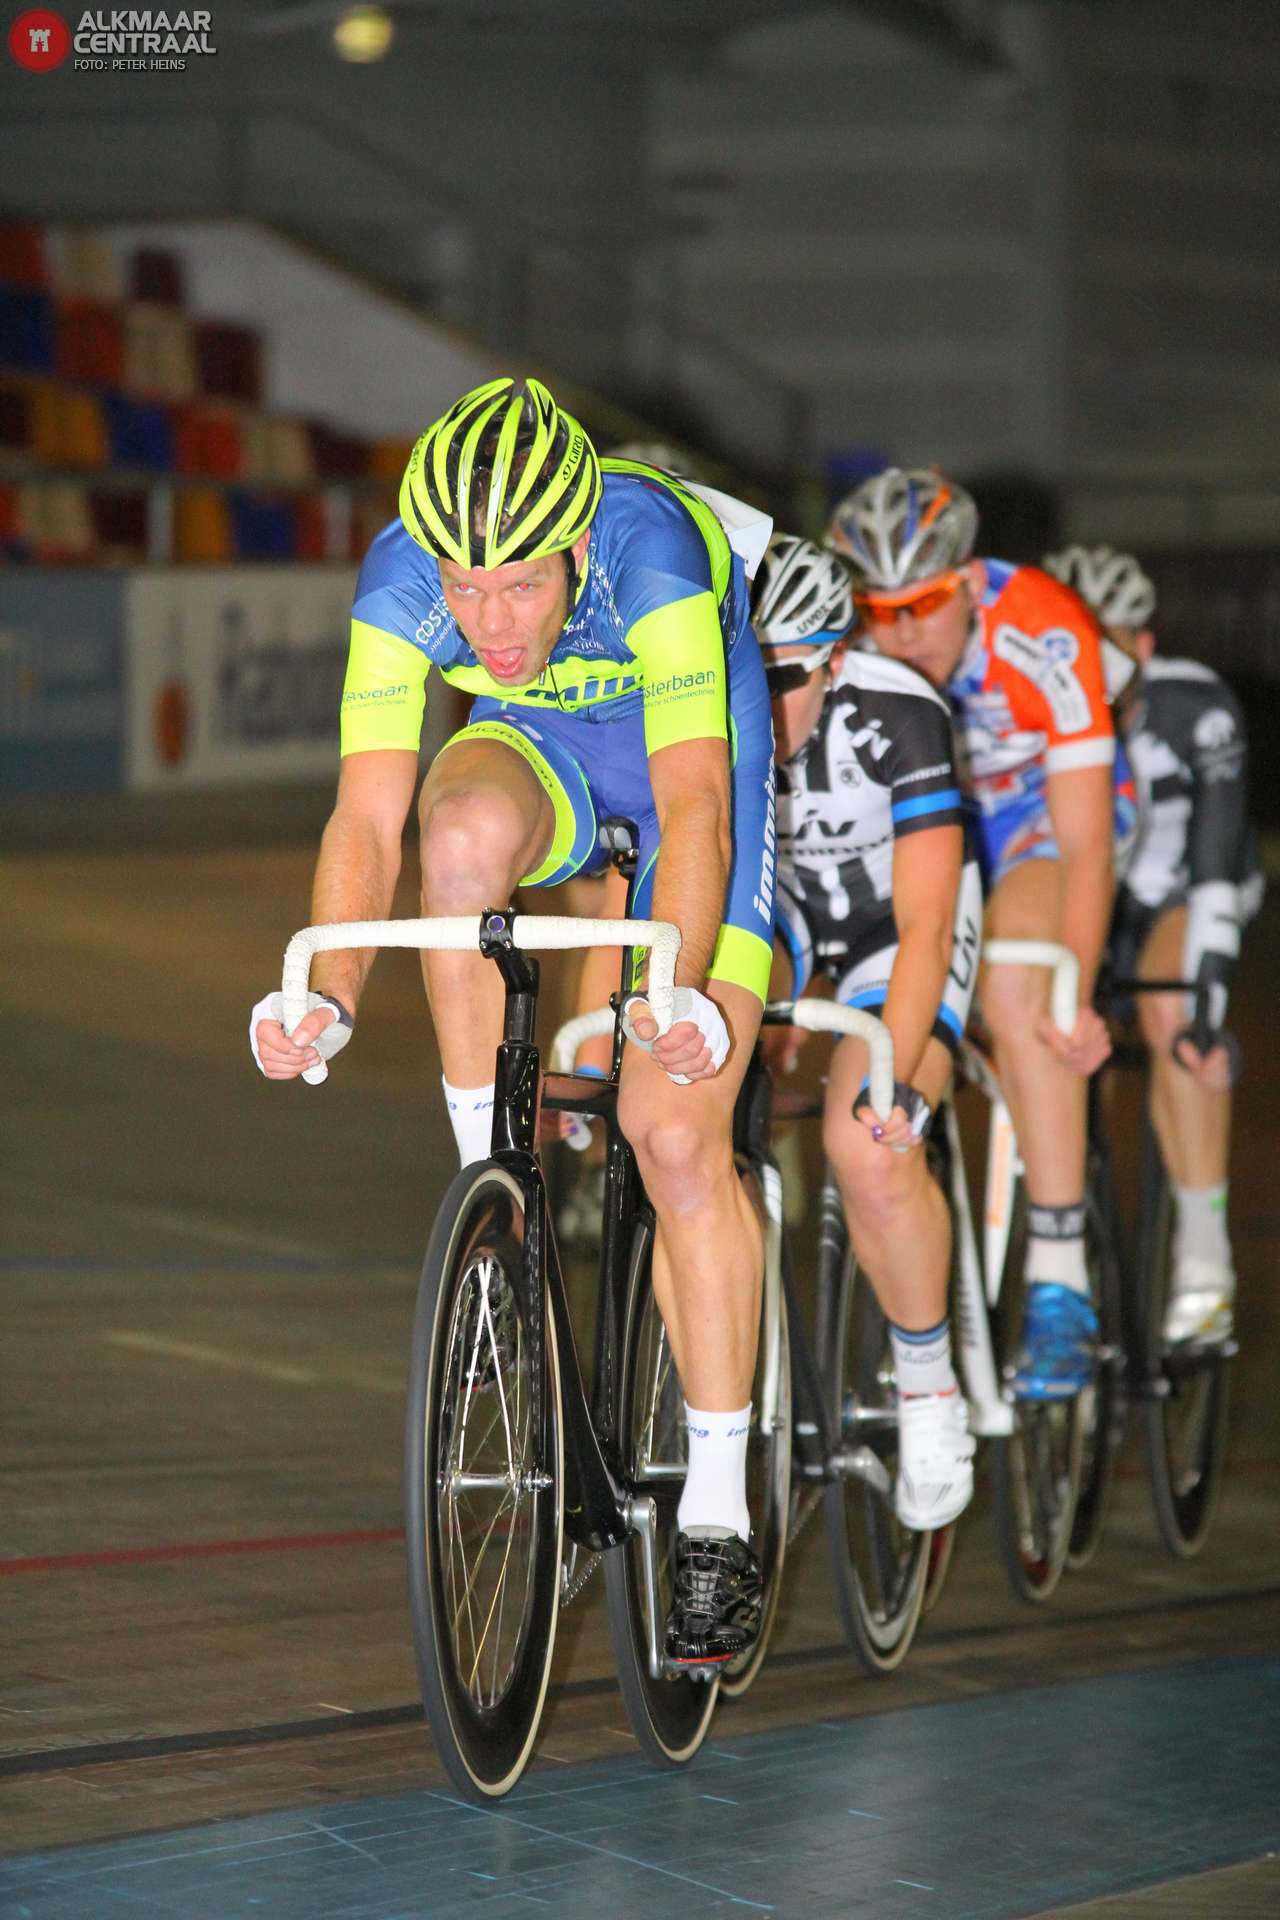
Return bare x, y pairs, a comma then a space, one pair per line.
878, 765
1186, 743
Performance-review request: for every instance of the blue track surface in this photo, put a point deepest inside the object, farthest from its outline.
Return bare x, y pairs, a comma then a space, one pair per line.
993, 1807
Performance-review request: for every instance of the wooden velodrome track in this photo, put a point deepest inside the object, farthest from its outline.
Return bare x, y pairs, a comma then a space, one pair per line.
208, 1283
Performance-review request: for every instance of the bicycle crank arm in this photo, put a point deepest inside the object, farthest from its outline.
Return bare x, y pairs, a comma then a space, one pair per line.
860, 1463
642, 1517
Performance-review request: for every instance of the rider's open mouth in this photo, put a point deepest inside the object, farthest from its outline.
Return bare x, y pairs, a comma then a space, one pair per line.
504, 663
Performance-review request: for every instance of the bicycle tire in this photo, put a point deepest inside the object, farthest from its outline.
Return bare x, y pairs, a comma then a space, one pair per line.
483, 1562
768, 1460
1104, 1423
1186, 1421
879, 1568
669, 1715
1036, 1470
942, 1545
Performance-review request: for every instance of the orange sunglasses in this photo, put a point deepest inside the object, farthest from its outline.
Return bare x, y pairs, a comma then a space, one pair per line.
882, 609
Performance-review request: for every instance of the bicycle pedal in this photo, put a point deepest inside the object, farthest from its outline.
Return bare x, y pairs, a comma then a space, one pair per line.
706, 1670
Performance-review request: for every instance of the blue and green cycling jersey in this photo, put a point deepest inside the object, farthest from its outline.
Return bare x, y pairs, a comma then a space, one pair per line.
662, 603
658, 650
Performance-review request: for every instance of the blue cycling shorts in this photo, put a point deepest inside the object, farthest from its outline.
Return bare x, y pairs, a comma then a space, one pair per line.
593, 764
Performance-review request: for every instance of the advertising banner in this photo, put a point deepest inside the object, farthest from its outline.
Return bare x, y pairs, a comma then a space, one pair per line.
235, 674
61, 695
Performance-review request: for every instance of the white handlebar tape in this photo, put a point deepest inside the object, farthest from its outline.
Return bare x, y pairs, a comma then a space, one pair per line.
827, 1016
1065, 991
460, 933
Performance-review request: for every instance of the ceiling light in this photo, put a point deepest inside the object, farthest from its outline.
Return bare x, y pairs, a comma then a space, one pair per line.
363, 34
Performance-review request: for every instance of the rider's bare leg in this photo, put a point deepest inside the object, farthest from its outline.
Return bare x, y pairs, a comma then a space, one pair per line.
485, 822
1047, 1101
1192, 1122
707, 1256
896, 1214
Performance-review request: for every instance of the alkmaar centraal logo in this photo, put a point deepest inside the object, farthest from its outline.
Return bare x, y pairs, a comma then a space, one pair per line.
124, 42
39, 40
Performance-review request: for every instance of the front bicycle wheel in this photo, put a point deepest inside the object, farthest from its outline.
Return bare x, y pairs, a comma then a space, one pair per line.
669, 1713
769, 1442
1103, 1434
1036, 1470
484, 1485
880, 1568
1187, 1404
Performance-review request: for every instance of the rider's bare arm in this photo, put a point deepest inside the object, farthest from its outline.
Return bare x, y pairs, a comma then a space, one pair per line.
359, 861
355, 879
1080, 809
926, 879
690, 782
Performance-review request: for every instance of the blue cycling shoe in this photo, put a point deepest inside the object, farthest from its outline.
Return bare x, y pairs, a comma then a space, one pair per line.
1059, 1343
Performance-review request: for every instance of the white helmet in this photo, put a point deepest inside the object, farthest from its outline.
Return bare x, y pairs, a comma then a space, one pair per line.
802, 597
1112, 583
902, 526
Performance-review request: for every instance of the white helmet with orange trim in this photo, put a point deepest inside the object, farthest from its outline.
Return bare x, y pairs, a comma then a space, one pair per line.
904, 525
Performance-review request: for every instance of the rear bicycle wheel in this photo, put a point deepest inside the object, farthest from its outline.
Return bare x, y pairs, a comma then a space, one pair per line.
1187, 1408
768, 1444
1036, 1470
879, 1567
1104, 1420
484, 1486
669, 1714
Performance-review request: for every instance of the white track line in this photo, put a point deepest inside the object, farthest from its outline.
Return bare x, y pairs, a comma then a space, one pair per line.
137, 1340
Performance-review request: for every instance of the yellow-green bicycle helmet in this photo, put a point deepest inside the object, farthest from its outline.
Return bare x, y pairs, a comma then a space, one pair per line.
505, 475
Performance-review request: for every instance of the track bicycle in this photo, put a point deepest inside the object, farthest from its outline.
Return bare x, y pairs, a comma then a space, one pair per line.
1183, 1389
514, 1480
833, 1398
1049, 1459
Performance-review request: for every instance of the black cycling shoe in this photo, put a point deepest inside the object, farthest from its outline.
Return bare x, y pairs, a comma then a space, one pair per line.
715, 1613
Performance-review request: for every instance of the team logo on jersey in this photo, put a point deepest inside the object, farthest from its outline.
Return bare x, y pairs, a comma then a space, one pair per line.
1061, 645
1215, 729
1042, 659
431, 631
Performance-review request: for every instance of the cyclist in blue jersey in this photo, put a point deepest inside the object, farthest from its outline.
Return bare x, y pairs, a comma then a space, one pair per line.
599, 616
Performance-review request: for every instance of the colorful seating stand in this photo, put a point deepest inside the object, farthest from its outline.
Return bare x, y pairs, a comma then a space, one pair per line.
131, 429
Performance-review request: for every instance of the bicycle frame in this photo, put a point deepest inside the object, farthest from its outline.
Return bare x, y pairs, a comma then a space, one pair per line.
599, 1513
979, 1276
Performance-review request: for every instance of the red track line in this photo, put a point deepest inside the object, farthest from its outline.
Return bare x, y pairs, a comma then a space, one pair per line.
200, 1550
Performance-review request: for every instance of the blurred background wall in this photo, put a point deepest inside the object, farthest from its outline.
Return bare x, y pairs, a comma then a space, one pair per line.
1035, 241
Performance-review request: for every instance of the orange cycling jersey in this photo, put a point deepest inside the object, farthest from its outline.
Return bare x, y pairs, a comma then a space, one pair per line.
1028, 697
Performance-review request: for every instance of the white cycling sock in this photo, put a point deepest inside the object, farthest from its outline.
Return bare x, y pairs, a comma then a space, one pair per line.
715, 1487
1202, 1224
922, 1361
471, 1117
1055, 1248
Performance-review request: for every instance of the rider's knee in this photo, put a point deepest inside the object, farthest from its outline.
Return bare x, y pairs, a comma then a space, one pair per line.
1161, 1018
1013, 1000
470, 837
879, 1186
675, 1155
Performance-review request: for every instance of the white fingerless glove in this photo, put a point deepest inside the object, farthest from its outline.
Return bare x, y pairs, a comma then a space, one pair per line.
334, 1037
687, 1004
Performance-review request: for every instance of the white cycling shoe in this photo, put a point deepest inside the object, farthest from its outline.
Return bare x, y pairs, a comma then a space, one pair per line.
935, 1460
1201, 1306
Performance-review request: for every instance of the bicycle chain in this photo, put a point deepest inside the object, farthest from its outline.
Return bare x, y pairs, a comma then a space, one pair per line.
579, 1581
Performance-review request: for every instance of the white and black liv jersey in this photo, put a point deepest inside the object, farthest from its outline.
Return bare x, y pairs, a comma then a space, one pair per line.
879, 764
1186, 742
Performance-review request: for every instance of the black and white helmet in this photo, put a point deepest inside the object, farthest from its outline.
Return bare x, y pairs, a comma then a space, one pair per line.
1112, 583
901, 526
803, 596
